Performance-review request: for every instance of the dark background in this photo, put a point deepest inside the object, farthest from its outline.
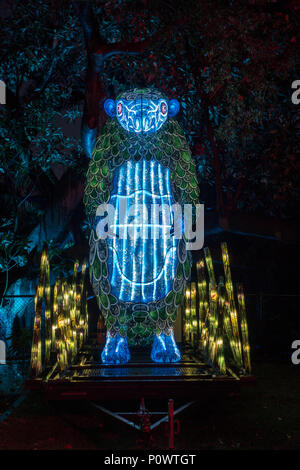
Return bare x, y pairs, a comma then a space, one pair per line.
230, 64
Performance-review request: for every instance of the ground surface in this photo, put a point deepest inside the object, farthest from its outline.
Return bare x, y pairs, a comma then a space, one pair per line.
266, 416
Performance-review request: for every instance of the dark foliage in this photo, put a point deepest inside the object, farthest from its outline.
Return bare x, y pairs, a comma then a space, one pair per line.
231, 65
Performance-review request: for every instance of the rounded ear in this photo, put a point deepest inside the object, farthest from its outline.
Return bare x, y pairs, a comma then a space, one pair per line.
110, 107
174, 107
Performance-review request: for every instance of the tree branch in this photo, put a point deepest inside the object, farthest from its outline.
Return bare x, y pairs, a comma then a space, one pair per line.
47, 76
98, 52
84, 11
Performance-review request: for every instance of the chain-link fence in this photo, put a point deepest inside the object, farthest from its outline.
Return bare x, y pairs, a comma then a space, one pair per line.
274, 319
15, 310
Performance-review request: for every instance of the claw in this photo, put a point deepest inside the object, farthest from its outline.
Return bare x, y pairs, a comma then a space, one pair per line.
116, 350
165, 349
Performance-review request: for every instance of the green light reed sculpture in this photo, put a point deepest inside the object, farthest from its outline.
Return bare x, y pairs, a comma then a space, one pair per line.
66, 318
223, 329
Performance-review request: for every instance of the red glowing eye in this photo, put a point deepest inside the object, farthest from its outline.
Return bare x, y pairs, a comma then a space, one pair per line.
163, 108
120, 107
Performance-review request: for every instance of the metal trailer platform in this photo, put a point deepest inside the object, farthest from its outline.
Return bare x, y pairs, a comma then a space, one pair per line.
89, 379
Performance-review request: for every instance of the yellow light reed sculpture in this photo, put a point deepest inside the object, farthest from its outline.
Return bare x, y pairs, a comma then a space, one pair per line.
235, 342
66, 320
73, 304
74, 317
213, 305
194, 320
209, 264
220, 355
219, 321
83, 304
42, 290
203, 303
224, 314
187, 313
244, 327
36, 348
55, 315
73, 324
213, 321
60, 340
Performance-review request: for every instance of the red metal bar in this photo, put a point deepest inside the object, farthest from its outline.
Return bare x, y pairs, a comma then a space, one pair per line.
171, 424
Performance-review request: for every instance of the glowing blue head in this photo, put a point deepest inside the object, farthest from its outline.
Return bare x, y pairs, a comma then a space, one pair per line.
142, 115
141, 111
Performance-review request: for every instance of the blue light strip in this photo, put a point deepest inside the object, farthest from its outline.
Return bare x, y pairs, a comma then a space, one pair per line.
142, 192
169, 191
127, 184
153, 296
156, 278
134, 240
161, 191
142, 269
144, 234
